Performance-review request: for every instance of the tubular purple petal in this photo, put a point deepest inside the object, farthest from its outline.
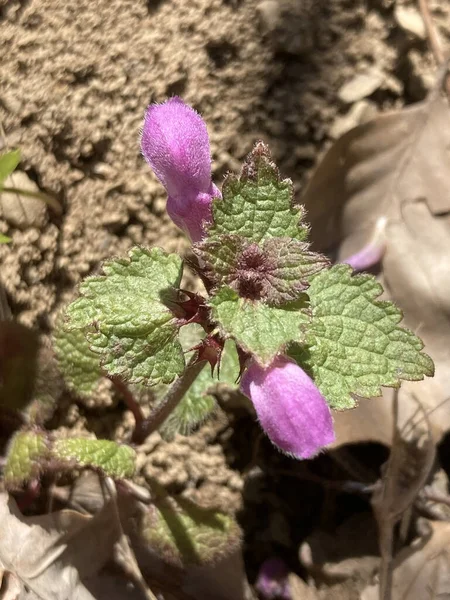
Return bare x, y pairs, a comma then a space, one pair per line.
175, 143
290, 407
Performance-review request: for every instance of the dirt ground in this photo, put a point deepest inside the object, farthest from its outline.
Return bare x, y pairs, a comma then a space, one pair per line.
76, 78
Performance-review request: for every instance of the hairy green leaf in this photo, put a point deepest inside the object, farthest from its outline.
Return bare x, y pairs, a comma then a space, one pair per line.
26, 457
18, 359
8, 163
258, 328
115, 460
128, 319
79, 365
258, 205
4, 239
355, 344
184, 533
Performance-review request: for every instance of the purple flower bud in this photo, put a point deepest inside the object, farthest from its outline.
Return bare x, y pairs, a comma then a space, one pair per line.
272, 582
371, 253
366, 258
175, 143
290, 408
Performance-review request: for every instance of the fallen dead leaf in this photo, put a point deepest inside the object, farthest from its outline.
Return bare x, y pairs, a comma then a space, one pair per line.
224, 580
421, 571
395, 168
410, 461
49, 554
351, 552
9, 586
300, 590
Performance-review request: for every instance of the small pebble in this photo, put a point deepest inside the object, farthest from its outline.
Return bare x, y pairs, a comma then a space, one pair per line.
22, 211
360, 112
269, 13
410, 20
361, 86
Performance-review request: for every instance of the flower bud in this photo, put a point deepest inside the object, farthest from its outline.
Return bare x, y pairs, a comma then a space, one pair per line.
272, 582
175, 143
372, 253
290, 407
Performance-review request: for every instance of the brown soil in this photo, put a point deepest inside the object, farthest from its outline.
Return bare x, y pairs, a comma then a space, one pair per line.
76, 78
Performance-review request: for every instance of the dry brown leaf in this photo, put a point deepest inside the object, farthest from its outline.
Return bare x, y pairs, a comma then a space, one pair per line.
406, 471
395, 168
9, 586
50, 554
225, 580
421, 571
351, 552
300, 590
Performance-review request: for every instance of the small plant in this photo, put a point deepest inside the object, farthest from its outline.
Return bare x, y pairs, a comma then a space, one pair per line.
300, 337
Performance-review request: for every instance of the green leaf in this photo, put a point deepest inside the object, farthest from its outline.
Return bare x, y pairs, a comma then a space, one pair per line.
26, 457
258, 205
355, 344
184, 533
128, 319
4, 239
276, 271
114, 460
258, 328
18, 361
79, 365
8, 163
199, 403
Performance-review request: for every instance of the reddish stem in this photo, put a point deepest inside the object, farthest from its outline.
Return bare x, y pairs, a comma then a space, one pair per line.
132, 405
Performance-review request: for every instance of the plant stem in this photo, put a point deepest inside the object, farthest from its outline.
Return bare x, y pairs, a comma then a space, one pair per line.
132, 405
171, 399
46, 198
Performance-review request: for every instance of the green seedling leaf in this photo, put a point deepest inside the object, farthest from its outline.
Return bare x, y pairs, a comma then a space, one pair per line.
258, 328
355, 344
112, 459
128, 319
184, 533
4, 239
277, 270
79, 365
8, 163
18, 358
27, 456
257, 205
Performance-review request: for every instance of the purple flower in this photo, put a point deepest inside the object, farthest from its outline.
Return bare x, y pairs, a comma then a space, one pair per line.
290, 408
175, 143
272, 581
